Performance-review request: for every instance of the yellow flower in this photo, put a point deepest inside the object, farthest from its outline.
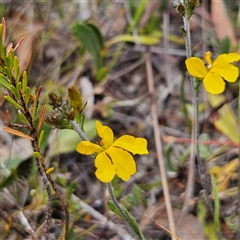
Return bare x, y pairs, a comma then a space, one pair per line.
113, 157
214, 72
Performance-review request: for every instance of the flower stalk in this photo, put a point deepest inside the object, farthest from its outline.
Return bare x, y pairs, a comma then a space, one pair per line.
186, 12
86, 147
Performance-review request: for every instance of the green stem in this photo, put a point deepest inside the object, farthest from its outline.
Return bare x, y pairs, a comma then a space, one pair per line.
196, 114
81, 134
122, 211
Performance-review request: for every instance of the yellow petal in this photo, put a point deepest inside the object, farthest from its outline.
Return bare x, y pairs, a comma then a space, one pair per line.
105, 133
208, 58
230, 58
132, 144
86, 147
226, 70
213, 83
105, 169
196, 67
123, 162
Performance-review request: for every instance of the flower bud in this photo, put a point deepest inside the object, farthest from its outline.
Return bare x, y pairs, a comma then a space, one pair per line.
75, 99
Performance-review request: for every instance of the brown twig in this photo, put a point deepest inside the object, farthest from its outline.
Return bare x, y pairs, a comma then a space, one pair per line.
16, 227
158, 144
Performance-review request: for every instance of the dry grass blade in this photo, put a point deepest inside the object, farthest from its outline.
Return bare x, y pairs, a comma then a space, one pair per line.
18, 44
161, 226
158, 144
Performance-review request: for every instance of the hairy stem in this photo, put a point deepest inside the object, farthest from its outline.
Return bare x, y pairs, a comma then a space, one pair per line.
195, 133
121, 211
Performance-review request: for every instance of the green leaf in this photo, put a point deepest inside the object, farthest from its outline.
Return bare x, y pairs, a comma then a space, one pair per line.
23, 118
24, 82
97, 33
5, 182
37, 154
101, 73
202, 215
224, 120
137, 12
143, 39
16, 69
35, 102
110, 205
131, 221
4, 82
13, 102
134, 198
7, 71
89, 39
11, 57
40, 137
225, 45
27, 95
1, 29
14, 91
216, 204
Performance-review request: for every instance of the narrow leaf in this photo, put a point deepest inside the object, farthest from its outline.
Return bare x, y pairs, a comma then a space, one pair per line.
27, 95
216, 204
37, 154
4, 82
17, 133
35, 99
11, 56
6, 70
24, 82
16, 69
40, 137
143, 39
49, 170
19, 86
14, 91
22, 117
13, 102
41, 117
1, 37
